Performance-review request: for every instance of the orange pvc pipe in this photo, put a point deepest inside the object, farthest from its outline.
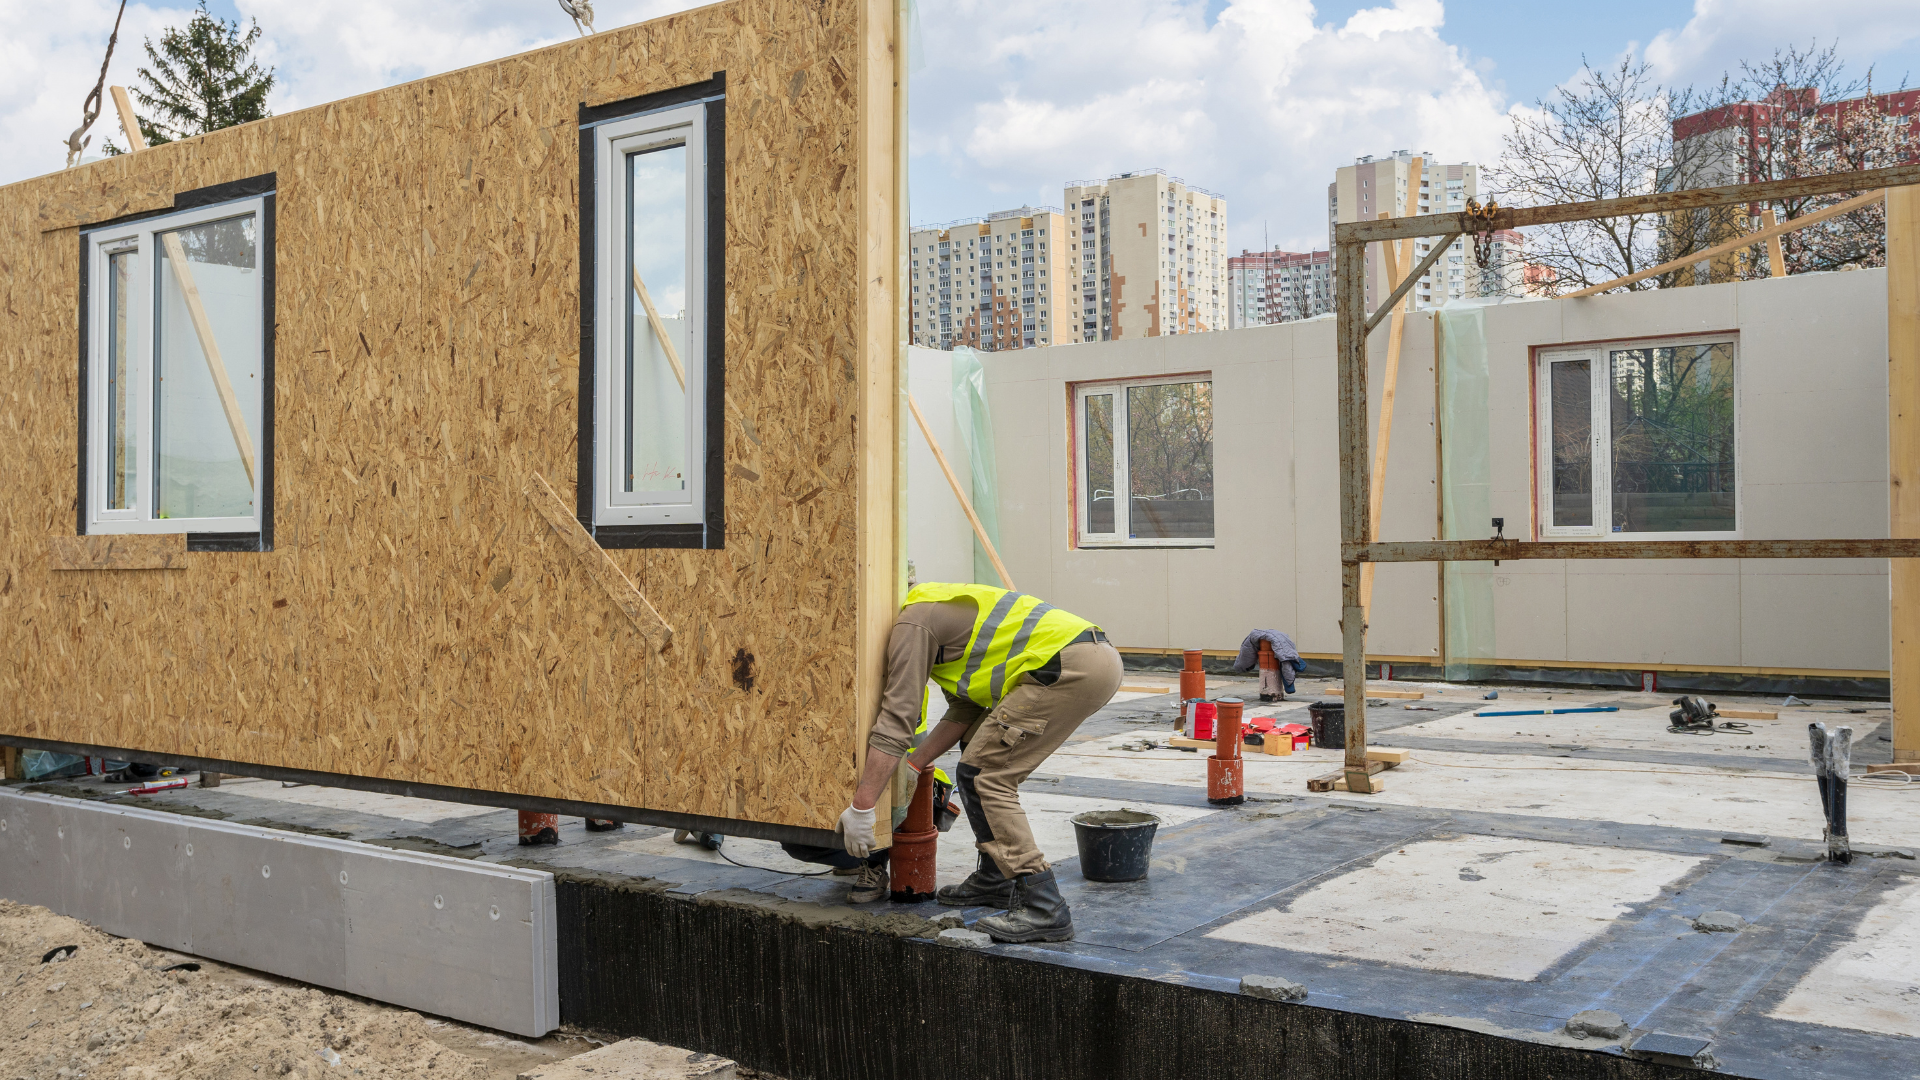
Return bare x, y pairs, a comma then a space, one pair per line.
1193, 681
916, 846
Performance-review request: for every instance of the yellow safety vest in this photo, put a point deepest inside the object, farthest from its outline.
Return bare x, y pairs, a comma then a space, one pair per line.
1013, 633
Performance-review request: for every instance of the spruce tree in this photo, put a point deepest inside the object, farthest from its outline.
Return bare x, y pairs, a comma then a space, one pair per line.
202, 77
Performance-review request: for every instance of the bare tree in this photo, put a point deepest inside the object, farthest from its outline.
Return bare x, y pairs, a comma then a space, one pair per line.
90, 109
1799, 114
1608, 136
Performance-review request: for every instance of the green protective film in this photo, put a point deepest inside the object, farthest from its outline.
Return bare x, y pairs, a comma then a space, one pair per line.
1466, 490
974, 422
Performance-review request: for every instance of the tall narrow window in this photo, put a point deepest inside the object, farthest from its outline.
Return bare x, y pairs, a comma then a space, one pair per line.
1639, 440
1145, 463
177, 369
651, 477
1099, 457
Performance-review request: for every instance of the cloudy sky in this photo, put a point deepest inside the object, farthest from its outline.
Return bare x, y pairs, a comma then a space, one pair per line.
1259, 100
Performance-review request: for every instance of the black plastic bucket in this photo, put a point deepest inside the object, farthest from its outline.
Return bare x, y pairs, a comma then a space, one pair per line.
1329, 724
1115, 845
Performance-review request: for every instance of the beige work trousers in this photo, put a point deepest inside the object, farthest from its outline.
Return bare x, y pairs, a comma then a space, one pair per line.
1009, 741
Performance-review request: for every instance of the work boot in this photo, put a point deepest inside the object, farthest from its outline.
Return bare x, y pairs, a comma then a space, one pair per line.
873, 884
985, 887
1039, 913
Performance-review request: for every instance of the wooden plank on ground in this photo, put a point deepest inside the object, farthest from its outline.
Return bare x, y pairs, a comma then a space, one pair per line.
1389, 755
1409, 695
1749, 714
118, 551
1326, 781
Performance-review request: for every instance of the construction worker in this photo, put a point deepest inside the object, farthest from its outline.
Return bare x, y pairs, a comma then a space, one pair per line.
1019, 675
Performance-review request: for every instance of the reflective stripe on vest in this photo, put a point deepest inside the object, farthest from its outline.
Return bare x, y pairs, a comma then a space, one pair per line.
1013, 633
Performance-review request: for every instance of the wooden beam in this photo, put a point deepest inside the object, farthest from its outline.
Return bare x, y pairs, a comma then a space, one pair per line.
879, 337
1366, 232
1771, 233
1433, 256
1396, 324
659, 329
196, 310
1350, 307
599, 566
966, 504
1776, 255
1903, 459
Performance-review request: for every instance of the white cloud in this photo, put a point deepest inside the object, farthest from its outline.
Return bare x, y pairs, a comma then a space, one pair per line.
1260, 104
1721, 33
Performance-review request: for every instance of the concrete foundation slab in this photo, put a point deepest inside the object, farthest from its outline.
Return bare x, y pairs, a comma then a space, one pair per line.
1872, 981
1482, 905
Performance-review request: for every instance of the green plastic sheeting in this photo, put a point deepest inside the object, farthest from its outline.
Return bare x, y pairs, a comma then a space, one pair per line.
1466, 489
974, 422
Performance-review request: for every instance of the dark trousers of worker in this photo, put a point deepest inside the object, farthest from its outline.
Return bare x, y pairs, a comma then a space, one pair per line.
833, 856
1009, 741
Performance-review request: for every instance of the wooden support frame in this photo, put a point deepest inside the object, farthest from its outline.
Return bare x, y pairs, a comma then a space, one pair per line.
1358, 546
1770, 233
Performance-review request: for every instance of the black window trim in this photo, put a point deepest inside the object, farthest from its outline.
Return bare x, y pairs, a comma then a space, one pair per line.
263, 187
711, 534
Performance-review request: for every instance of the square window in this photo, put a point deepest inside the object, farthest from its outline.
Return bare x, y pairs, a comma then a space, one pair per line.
177, 318
1639, 439
652, 475
1145, 462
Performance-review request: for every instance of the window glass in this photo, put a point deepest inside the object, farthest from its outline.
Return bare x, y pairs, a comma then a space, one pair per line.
1572, 433
122, 459
1170, 460
1671, 410
1099, 421
654, 435
207, 370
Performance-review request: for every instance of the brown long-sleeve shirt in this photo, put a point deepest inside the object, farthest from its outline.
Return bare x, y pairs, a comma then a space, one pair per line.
923, 635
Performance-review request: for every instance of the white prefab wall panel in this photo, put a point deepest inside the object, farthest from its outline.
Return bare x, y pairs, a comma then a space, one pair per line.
472, 941
1811, 395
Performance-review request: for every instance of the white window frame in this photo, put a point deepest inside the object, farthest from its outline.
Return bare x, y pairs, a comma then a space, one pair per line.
613, 140
142, 237
1600, 372
1122, 508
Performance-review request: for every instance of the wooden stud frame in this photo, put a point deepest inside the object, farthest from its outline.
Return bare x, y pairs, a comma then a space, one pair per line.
417, 622
1357, 543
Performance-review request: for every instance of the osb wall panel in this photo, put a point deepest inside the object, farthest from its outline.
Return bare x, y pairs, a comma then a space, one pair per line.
418, 619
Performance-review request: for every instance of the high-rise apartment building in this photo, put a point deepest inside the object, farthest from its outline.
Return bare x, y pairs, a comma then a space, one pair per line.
1361, 191
1150, 256
1278, 286
1002, 283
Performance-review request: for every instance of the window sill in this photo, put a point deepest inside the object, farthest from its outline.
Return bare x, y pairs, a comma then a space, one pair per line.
1126, 545
690, 535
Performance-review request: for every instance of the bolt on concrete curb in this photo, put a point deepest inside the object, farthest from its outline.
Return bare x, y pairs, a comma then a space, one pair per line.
1273, 988
964, 939
1597, 1024
1719, 922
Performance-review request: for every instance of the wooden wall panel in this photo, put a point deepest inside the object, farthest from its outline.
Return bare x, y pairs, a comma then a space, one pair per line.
417, 618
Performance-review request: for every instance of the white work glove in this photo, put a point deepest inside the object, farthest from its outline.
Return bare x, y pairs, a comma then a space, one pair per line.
856, 831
